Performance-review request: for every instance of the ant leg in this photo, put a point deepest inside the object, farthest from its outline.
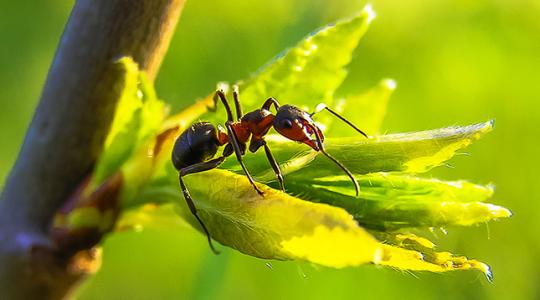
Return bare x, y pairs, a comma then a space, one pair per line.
321, 148
274, 165
237, 101
322, 106
196, 168
269, 102
237, 150
221, 96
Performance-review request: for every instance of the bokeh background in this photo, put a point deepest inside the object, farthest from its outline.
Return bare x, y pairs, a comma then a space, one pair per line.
456, 62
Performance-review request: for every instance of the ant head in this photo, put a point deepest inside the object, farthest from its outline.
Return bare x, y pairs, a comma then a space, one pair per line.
297, 125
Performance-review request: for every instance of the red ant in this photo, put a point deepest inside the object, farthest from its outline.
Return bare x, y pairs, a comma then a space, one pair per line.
195, 148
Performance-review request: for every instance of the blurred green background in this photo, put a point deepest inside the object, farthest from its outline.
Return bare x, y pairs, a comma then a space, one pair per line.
456, 62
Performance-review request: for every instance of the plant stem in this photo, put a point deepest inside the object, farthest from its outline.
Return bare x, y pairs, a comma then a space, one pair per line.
67, 133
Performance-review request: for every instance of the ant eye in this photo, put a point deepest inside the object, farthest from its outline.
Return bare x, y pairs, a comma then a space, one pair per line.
286, 123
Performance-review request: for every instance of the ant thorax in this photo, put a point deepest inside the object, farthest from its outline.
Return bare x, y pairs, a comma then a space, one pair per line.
257, 123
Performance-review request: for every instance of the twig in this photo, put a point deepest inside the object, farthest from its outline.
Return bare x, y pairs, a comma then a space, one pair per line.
68, 130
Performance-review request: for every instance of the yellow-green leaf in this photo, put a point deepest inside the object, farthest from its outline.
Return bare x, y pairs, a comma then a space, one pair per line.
276, 226
413, 253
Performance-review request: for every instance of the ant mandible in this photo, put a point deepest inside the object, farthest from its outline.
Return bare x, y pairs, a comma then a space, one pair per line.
195, 148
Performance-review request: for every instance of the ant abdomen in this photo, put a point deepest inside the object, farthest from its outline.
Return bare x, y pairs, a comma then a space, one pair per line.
196, 144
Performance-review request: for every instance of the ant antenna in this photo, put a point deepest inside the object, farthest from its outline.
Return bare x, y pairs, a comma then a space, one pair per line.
321, 148
322, 106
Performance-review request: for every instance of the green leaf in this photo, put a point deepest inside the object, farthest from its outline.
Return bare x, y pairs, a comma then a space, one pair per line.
126, 106
391, 201
153, 110
413, 152
312, 70
139, 114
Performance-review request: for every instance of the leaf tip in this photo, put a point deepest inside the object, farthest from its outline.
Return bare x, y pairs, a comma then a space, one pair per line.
126, 62
491, 123
498, 212
485, 127
369, 13
484, 268
389, 83
488, 273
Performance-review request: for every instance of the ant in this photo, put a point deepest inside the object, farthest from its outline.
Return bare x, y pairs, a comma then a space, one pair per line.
195, 148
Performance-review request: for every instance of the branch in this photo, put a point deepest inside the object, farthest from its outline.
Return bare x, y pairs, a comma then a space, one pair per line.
68, 130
